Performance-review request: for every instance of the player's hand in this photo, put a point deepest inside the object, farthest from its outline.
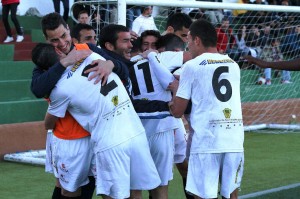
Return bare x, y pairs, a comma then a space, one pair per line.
101, 71
147, 52
73, 56
256, 61
170, 104
173, 86
133, 35
177, 77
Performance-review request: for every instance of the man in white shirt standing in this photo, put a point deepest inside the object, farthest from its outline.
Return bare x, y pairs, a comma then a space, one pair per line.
212, 82
144, 22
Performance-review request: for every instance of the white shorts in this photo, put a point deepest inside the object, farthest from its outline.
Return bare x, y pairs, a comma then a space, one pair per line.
71, 161
206, 170
162, 152
126, 167
48, 162
180, 144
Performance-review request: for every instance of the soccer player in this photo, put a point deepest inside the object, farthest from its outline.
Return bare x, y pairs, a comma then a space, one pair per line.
146, 85
172, 42
116, 38
212, 82
83, 33
81, 186
178, 24
119, 151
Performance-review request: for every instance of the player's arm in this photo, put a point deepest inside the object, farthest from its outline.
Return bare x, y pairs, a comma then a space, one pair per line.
292, 65
163, 75
50, 121
44, 81
178, 106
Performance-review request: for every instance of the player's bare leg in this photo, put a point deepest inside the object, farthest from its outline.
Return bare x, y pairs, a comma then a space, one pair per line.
57, 190
106, 197
75, 194
234, 194
135, 194
161, 192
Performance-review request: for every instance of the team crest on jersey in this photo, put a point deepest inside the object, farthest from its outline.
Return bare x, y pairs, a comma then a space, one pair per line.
74, 68
227, 113
115, 100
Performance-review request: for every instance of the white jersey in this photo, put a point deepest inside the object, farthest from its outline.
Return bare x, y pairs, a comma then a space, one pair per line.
104, 111
147, 85
212, 82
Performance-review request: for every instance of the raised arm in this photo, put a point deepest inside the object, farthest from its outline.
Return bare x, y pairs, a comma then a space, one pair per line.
43, 82
161, 72
292, 65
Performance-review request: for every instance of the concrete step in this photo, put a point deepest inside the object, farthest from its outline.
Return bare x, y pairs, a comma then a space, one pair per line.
22, 55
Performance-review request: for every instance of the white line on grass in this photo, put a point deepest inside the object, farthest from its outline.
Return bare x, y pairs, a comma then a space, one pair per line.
260, 193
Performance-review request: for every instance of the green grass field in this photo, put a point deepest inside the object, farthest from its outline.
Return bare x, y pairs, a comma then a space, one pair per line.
271, 161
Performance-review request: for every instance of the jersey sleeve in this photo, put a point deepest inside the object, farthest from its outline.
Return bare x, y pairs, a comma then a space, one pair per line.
163, 75
185, 83
172, 60
59, 102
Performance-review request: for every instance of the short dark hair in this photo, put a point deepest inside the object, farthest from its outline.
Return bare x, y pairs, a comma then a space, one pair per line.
144, 8
179, 21
154, 33
52, 21
75, 33
205, 31
136, 45
110, 34
170, 41
43, 55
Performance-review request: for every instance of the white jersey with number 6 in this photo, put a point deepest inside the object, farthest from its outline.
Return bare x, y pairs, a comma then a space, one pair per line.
212, 82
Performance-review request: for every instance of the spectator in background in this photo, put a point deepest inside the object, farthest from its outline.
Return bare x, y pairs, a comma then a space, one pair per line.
290, 42
271, 53
226, 41
66, 6
215, 16
83, 17
131, 14
241, 43
240, 15
144, 22
11, 5
253, 39
266, 34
